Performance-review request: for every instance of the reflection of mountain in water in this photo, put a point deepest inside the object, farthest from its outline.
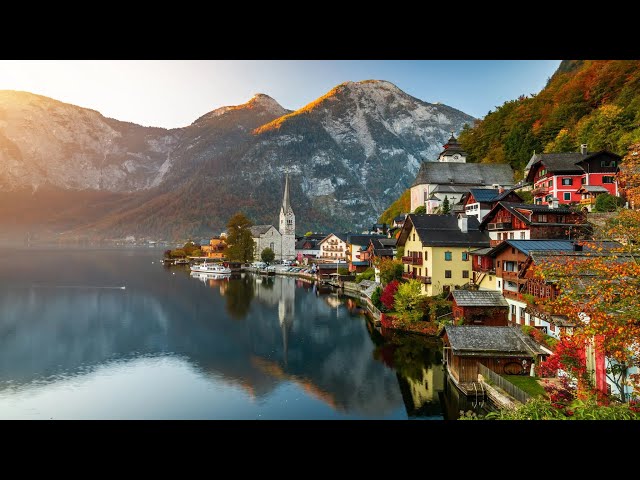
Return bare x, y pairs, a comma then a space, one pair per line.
286, 333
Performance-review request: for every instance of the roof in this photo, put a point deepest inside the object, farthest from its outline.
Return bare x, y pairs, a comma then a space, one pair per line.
479, 298
452, 146
400, 218
514, 208
563, 162
341, 236
258, 230
481, 251
472, 340
450, 189
443, 230
360, 239
312, 241
475, 174
484, 194
592, 189
527, 246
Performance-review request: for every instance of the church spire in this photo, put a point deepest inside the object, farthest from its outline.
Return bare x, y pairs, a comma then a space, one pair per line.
285, 199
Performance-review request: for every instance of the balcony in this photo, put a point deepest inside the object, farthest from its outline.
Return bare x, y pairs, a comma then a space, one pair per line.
540, 191
481, 269
425, 280
495, 243
509, 274
412, 260
500, 226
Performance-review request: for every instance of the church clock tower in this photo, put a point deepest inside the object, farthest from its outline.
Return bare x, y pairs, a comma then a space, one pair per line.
287, 225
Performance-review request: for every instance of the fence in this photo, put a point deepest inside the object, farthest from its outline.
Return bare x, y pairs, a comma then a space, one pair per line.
504, 384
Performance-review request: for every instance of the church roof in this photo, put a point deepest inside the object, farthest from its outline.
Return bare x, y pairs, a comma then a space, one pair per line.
473, 174
258, 230
452, 146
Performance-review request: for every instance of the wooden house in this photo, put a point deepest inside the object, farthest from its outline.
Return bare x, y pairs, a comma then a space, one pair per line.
479, 307
570, 177
479, 201
505, 350
378, 249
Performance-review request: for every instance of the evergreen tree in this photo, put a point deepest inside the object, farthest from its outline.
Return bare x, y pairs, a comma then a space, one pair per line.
239, 239
446, 207
267, 255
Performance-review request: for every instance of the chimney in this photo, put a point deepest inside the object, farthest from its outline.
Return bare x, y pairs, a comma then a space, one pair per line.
500, 190
462, 223
554, 203
583, 149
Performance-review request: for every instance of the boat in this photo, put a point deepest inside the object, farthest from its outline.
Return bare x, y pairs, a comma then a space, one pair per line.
181, 261
211, 268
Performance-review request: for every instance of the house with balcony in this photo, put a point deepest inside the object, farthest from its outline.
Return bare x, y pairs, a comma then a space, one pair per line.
450, 176
478, 202
333, 247
524, 221
572, 177
308, 247
436, 250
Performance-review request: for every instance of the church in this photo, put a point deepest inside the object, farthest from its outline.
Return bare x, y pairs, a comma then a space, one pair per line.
451, 177
282, 240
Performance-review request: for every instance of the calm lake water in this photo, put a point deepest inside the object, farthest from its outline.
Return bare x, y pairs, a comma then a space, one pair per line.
75, 344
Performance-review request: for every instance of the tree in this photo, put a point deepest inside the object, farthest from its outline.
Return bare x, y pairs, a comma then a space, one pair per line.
408, 301
607, 203
388, 294
399, 253
308, 234
598, 291
630, 175
240, 243
390, 270
375, 298
190, 247
267, 255
446, 206
421, 209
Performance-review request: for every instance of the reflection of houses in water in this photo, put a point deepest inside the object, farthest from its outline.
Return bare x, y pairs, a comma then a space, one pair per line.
421, 397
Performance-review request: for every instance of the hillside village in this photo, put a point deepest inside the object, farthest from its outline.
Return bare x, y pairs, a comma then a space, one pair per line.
473, 243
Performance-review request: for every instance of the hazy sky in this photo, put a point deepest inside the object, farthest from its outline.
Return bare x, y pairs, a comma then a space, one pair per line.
173, 93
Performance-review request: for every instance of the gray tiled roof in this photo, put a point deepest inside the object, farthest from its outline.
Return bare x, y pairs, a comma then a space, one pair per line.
484, 194
475, 174
258, 230
593, 188
472, 340
360, 239
450, 189
443, 230
479, 298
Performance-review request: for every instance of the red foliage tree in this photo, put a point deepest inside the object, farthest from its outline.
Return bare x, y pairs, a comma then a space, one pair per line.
387, 297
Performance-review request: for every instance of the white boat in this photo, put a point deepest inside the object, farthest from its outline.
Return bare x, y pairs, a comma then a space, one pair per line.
211, 268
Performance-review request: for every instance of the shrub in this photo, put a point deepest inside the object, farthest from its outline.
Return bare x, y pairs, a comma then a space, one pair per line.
368, 274
387, 297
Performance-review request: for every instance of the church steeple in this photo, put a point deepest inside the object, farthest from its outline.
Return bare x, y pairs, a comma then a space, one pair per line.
453, 151
285, 200
287, 217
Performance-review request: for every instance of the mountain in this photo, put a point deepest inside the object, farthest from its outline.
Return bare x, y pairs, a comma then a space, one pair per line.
596, 102
348, 154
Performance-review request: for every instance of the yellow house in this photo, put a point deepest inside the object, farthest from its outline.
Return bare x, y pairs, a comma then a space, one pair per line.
216, 248
436, 250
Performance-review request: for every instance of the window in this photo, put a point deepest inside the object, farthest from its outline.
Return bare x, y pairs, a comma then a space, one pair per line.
608, 179
513, 250
511, 235
522, 235
521, 309
414, 237
560, 219
447, 274
498, 263
447, 256
465, 274
465, 256
567, 196
543, 172
542, 217
513, 309
567, 181
271, 246
583, 180
498, 283
550, 184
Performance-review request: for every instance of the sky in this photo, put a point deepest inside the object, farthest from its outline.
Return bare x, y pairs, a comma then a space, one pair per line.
174, 93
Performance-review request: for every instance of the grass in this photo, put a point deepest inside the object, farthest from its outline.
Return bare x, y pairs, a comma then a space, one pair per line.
527, 383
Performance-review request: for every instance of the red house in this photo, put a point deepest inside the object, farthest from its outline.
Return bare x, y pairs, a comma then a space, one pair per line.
478, 202
524, 221
573, 178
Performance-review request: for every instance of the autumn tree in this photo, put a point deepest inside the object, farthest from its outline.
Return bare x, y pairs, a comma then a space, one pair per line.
598, 291
387, 298
390, 269
240, 243
630, 175
408, 301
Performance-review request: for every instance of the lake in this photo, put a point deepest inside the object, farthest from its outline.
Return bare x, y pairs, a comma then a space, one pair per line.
115, 334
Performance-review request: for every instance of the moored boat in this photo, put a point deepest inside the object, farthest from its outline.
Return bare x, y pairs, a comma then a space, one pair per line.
211, 268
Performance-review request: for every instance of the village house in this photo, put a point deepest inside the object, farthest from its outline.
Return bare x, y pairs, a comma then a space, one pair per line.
479, 307
450, 176
333, 247
216, 248
436, 250
357, 256
309, 247
479, 201
524, 221
504, 350
378, 249
571, 178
